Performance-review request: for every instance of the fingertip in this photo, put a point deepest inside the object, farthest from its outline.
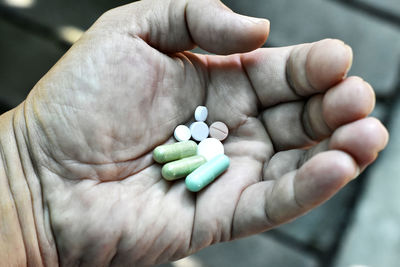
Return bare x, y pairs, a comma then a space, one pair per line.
378, 126
250, 35
258, 32
223, 32
328, 62
348, 101
363, 139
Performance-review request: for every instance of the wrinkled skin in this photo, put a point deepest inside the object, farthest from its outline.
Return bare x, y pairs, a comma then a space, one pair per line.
94, 119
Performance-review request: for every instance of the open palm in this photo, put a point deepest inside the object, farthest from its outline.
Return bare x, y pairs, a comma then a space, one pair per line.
95, 118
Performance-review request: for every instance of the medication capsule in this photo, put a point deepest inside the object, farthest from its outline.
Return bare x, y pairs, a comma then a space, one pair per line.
206, 173
171, 152
181, 168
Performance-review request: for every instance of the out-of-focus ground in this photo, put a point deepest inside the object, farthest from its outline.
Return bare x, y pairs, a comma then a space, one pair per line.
360, 226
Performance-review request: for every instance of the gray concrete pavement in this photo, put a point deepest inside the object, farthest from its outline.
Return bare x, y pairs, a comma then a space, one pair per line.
255, 251
391, 6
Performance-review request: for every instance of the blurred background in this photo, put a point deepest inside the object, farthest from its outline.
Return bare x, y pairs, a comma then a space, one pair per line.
358, 227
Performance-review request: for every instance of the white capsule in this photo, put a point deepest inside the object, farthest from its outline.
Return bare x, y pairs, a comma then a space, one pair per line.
210, 148
201, 113
199, 130
182, 133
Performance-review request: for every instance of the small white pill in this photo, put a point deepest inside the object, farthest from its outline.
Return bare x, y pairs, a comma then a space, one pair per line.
210, 148
201, 113
199, 130
182, 133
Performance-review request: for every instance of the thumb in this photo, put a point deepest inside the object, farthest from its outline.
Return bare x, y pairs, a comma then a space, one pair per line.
177, 25
217, 29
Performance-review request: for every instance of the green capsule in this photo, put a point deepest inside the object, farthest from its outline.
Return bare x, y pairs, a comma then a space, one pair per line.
180, 168
171, 152
207, 173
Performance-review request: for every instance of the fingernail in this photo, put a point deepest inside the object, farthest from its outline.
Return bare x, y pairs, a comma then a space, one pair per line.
350, 51
357, 173
256, 20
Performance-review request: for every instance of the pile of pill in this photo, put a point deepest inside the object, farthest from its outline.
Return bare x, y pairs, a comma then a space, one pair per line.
200, 163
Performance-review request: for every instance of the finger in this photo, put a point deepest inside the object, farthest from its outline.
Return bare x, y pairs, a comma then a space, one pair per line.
362, 139
269, 203
299, 124
320, 174
290, 73
178, 25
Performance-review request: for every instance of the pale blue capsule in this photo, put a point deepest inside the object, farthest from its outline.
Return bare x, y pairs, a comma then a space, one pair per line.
207, 173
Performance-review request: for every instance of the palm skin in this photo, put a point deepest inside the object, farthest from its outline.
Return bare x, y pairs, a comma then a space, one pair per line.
97, 115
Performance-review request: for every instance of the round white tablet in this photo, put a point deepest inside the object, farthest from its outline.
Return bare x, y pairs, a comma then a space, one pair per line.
199, 130
182, 133
201, 113
210, 148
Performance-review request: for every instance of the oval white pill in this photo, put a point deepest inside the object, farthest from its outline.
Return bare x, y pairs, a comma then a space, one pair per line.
182, 133
210, 148
199, 130
201, 113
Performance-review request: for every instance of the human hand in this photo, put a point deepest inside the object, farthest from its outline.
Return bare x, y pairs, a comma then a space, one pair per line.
94, 119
